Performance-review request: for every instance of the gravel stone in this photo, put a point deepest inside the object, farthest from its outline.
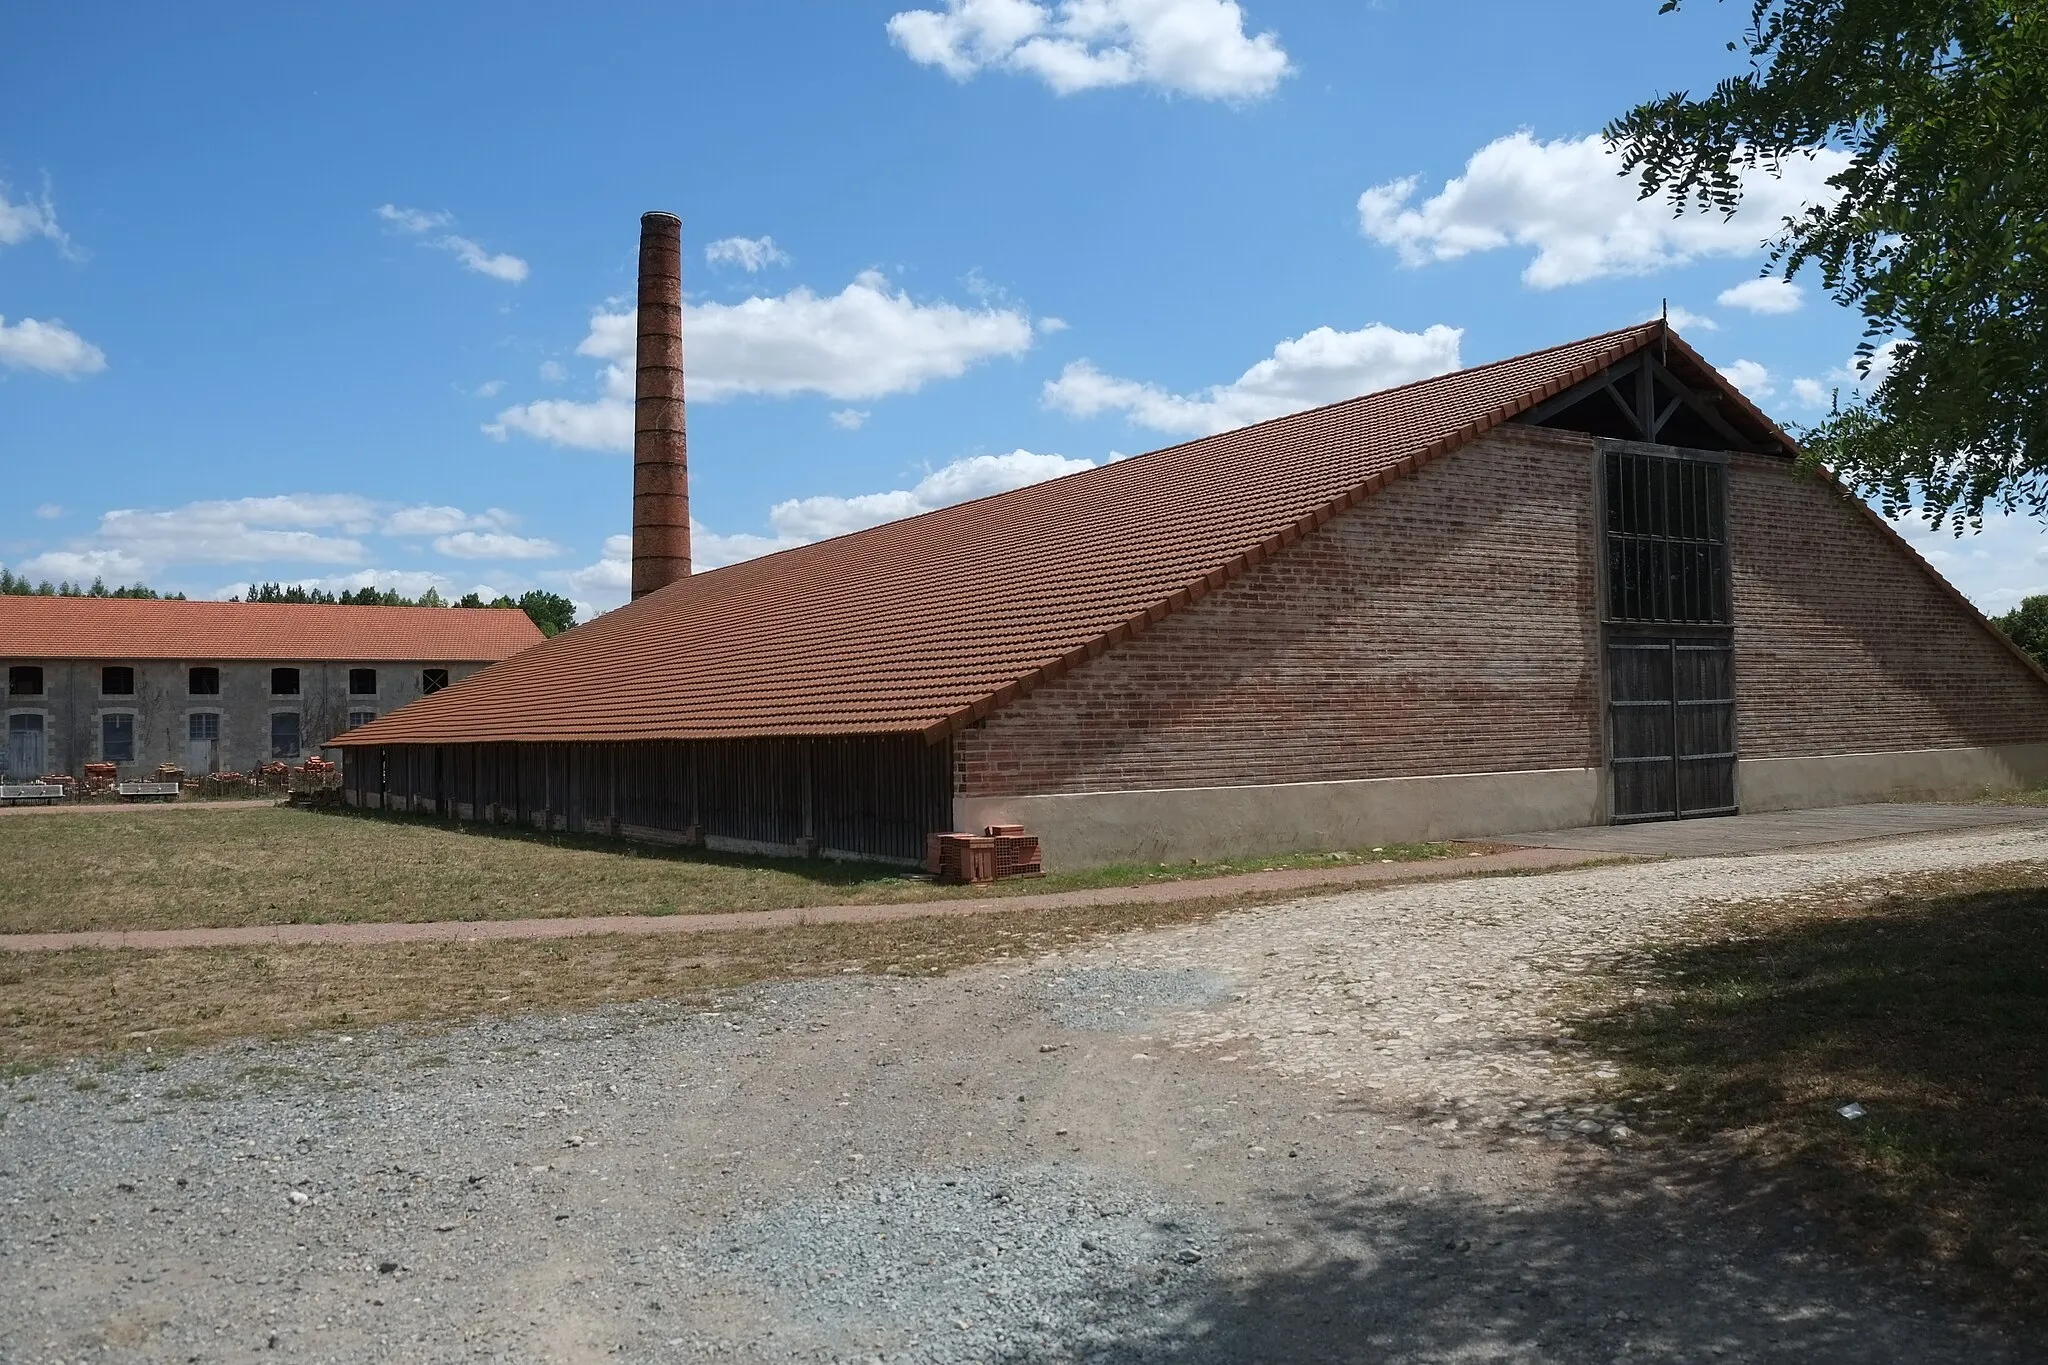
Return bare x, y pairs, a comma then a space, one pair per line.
1105, 998
842, 1170
972, 1265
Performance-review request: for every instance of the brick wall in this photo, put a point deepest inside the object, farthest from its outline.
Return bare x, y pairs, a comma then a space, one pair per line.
1445, 625
1845, 644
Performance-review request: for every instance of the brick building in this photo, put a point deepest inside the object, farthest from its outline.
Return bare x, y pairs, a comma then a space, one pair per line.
1585, 584
220, 686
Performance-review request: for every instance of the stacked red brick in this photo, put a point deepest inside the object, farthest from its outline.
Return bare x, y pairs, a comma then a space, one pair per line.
969, 859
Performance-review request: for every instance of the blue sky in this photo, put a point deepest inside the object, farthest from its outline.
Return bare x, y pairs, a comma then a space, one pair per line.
333, 295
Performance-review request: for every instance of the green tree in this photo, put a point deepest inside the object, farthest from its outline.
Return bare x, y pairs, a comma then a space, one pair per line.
2027, 625
19, 585
552, 612
1939, 234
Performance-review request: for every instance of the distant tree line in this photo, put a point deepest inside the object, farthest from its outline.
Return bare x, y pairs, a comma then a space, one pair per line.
552, 612
20, 585
2027, 626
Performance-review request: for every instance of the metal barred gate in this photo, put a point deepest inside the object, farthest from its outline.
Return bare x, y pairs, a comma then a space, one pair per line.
1668, 617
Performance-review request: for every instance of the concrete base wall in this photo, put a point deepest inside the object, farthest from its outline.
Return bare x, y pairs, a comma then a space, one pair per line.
1091, 829
1766, 784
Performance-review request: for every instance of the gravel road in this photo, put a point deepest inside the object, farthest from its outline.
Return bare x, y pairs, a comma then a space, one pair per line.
1344, 1129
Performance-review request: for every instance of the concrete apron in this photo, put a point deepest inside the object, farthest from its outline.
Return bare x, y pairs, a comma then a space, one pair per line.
1767, 784
1093, 829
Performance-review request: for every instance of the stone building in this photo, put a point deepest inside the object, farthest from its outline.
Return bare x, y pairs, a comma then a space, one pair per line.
220, 686
1592, 583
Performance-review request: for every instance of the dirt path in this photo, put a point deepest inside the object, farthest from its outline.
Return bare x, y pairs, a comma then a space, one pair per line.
1204, 1145
1282, 881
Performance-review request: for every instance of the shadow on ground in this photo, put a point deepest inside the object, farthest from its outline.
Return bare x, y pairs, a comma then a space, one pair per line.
1622, 1269
834, 872
1929, 1011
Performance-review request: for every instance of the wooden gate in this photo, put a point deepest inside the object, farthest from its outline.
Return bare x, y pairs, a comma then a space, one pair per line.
1671, 727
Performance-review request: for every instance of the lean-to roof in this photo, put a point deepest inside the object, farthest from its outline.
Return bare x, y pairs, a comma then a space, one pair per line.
925, 624
130, 629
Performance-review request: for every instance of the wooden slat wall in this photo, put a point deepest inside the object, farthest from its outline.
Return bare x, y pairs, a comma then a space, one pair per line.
873, 796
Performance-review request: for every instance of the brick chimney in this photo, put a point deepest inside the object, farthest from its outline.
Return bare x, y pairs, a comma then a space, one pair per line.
661, 474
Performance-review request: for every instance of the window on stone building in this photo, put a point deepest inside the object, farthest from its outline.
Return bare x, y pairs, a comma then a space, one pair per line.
117, 680
284, 682
284, 734
25, 680
433, 679
362, 682
358, 719
203, 682
117, 739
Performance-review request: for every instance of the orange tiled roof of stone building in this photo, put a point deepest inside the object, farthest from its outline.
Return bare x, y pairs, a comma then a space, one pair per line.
136, 628
927, 623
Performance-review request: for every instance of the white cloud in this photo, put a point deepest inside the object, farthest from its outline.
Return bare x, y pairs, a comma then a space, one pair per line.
864, 342
1868, 374
1766, 294
495, 545
82, 566
294, 528
281, 532
424, 520
48, 348
850, 419
31, 217
605, 424
1048, 326
131, 542
551, 371
500, 266
1567, 200
748, 253
49, 511
417, 222
490, 388
1751, 378
608, 582
1187, 47
815, 518
1855, 377
414, 220
1685, 320
1318, 367
1995, 567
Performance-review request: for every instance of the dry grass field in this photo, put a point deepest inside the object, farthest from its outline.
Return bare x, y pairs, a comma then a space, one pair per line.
83, 1002
171, 869
167, 869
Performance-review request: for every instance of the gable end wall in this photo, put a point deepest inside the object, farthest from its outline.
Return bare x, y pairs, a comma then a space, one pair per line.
1446, 625
1845, 644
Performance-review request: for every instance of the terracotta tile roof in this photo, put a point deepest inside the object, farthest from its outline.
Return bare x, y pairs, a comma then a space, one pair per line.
927, 623
135, 628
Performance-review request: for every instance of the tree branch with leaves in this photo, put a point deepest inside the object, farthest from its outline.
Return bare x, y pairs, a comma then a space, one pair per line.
1938, 233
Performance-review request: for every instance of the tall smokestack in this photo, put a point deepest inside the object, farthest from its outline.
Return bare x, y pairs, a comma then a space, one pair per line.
661, 474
